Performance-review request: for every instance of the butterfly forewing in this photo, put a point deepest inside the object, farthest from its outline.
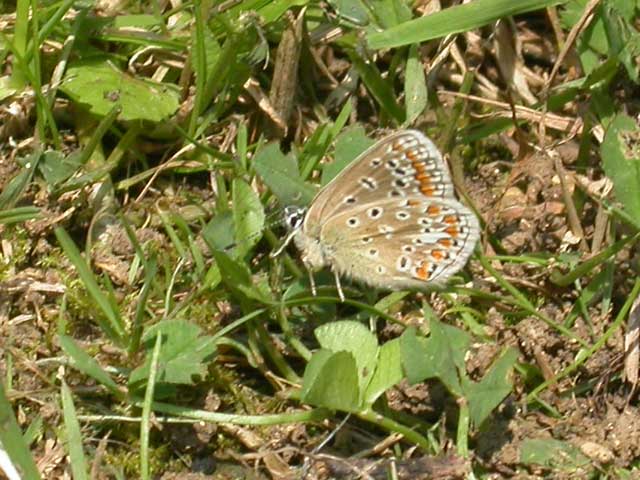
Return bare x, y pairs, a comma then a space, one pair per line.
401, 165
399, 243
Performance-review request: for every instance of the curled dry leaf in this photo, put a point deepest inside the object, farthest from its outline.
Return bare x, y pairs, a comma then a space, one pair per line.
285, 75
509, 59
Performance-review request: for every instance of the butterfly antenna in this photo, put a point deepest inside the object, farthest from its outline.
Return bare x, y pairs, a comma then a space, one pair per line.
286, 242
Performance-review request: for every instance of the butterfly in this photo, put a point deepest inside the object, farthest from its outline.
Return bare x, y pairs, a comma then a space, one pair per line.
390, 219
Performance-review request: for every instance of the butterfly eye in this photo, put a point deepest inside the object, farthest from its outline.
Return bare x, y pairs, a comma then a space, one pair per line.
294, 216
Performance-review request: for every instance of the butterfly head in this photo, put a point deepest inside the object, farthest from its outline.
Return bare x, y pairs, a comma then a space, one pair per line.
313, 252
294, 217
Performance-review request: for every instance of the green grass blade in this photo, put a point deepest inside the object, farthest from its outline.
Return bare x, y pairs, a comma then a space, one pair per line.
88, 365
18, 215
12, 440
145, 424
587, 266
451, 20
113, 326
74, 436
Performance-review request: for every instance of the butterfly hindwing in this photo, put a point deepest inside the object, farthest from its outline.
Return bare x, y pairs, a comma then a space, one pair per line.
400, 243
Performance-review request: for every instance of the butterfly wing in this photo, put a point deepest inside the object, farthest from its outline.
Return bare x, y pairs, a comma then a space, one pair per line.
404, 243
401, 165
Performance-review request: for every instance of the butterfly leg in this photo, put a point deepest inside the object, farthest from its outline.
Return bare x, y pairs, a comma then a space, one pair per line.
338, 285
312, 281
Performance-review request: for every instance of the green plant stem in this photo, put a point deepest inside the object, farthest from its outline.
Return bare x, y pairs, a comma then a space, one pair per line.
314, 415
276, 357
145, 424
291, 338
393, 426
588, 265
462, 436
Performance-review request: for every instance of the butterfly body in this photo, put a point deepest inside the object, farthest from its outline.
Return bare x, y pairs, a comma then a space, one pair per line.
389, 220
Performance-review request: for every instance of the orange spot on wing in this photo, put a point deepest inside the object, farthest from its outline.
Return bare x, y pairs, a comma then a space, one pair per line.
423, 178
433, 210
445, 242
413, 203
452, 231
411, 155
450, 219
418, 166
397, 146
422, 272
427, 190
438, 255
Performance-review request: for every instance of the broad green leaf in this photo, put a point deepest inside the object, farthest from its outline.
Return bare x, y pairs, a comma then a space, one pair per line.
623, 38
485, 395
280, 173
456, 19
349, 144
331, 381
184, 353
415, 86
98, 85
56, 168
594, 36
248, 216
552, 453
219, 233
620, 153
351, 10
353, 337
313, 370
415, 357
7, 87
441, 355
388, 371
13, 189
